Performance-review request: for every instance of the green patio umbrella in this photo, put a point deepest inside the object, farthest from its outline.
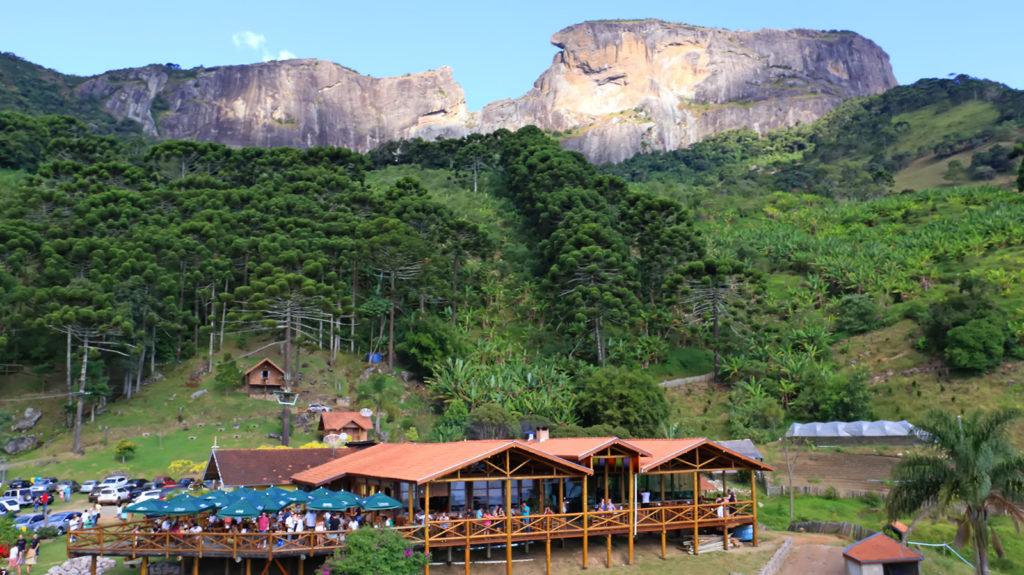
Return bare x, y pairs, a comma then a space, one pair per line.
296, 496
264, 503
149, 507
185, 504
347, 499
321, 492
241, 509
217, 498
326, 504
243, 493
379, 501
275, 492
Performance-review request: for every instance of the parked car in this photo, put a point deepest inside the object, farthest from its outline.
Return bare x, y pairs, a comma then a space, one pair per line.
113, 496
44, 485
75, 486
19, 483
147, 494
61, 520
24, 522
133, 483
114, 481
186, 482
88, 486
23, 495
9, 506
169, 491
317, 408
159, 482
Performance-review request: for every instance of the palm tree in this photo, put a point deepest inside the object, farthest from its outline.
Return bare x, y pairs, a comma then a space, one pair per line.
972, 465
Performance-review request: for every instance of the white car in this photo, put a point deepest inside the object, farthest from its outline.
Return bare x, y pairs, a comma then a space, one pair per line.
88, 486
147, 495
317, 408
9, 505
114, 481
113, 496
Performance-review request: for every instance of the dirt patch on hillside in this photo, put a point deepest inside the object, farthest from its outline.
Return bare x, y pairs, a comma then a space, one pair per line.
815, 553
847, 472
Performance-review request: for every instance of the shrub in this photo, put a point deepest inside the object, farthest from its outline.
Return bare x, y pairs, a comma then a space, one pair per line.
47, 532
430, 340
831, 493
871, 499
858, 313
492, 421
376, 552
623, 398
976, 346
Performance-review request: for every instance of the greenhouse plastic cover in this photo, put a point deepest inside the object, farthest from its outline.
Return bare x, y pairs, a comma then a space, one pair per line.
851, 429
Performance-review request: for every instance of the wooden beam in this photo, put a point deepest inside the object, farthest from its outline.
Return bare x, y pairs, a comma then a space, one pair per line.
725, 517
696, 513
508, 524
248, 566
753, 505
195, 566
608, 557
144, 566
547, 554
585, 530
426, 527
632, 509
92, 562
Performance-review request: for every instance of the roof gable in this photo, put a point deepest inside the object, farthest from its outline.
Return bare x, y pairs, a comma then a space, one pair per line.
341, 419
697, 454
424, 462
580, 448
264, 361
880, 548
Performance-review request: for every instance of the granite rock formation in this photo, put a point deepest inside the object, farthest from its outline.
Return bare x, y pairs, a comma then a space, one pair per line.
616, 88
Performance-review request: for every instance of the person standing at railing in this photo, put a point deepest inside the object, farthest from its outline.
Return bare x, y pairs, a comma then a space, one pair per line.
645, 498
732, 499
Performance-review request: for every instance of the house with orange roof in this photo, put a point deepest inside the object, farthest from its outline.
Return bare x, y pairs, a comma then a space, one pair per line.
352, 424
881, 555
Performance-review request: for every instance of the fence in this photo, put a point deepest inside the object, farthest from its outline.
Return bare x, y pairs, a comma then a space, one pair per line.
852, 530
825, 491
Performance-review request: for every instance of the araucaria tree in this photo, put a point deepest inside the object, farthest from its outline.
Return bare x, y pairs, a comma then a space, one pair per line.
972, 465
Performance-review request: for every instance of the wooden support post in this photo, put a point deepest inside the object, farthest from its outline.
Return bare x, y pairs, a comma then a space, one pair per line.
606, 494
543, 497
725, 516
696, 513
632, 510
426, 527
227, 567
508, 519
585, 527
248, 566
412, 497
663, 536
92, 565
661, 485
547, 556
144, 566
195, 566
753, 503
608, 554
302, 563
467, 555
561, 495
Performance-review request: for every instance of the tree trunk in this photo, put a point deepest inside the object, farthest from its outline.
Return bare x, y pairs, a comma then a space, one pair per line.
391, 326
286, 425
68, 367
288, 349
455, 286
597, 339
714, 315
81, 398
979, 533
138, 372
152, 354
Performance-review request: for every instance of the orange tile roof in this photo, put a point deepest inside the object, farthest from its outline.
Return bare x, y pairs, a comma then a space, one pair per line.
879, 548
663, 450
335, 420
577, 448
421, 462
264, 360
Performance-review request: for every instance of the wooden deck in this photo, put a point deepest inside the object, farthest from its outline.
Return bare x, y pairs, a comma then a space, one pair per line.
129, 539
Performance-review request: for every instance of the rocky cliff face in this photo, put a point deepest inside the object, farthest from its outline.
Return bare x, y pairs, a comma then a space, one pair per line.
614, 89
299, 103
618, 88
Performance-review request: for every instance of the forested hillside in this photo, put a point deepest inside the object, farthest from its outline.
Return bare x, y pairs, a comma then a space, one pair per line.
516, 281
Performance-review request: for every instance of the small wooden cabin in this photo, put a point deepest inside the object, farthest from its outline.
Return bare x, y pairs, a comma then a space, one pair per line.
351, 423
264, 377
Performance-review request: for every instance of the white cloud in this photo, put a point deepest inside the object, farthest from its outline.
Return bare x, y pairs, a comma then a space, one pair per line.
285, 55
249, 39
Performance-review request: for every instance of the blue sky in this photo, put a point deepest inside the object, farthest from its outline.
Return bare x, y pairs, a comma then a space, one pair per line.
497, 50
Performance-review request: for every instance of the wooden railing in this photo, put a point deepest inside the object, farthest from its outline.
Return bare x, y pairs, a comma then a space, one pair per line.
131, 539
